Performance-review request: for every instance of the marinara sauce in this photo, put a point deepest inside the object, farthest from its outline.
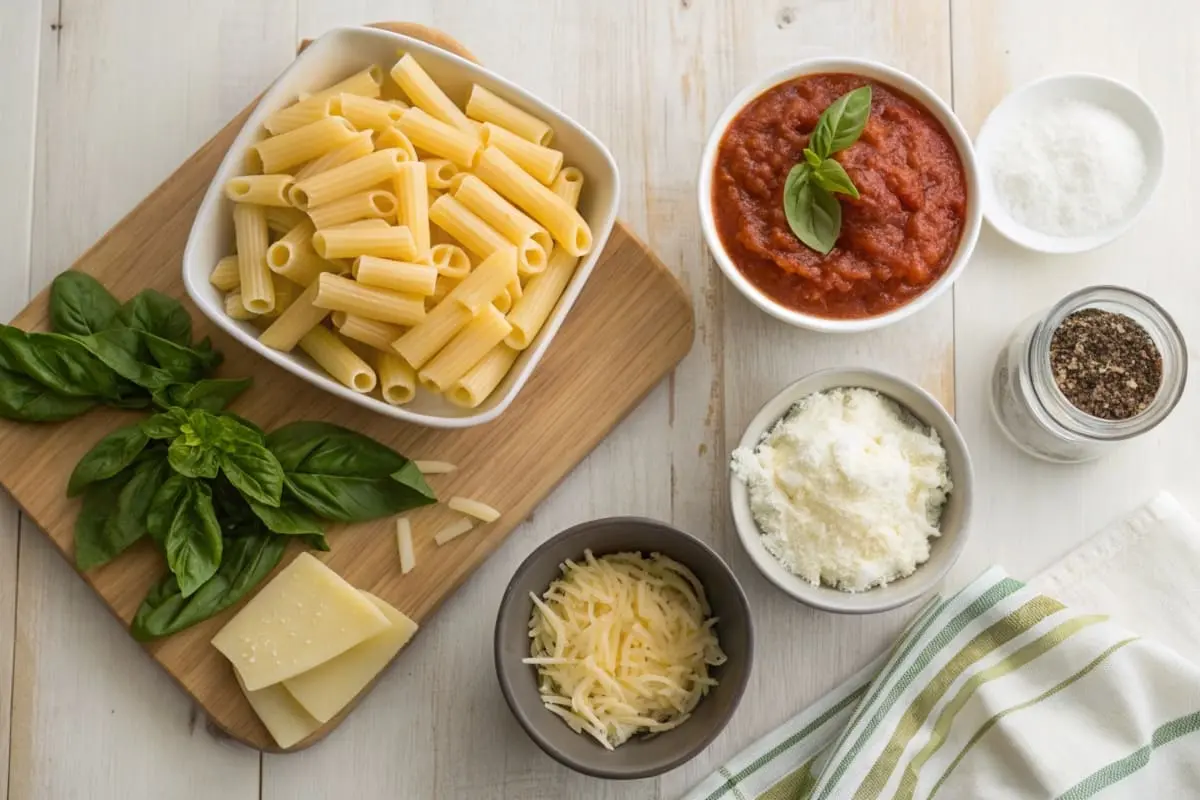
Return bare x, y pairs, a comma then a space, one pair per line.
896, 240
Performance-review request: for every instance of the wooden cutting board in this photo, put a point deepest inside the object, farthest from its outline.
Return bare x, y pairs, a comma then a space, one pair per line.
630, 327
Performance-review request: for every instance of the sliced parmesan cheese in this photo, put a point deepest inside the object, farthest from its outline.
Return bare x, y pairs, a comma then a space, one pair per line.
283, 716
325, 690
474, 508
453, 531
622, 645
435, 467
305, 616
404, 544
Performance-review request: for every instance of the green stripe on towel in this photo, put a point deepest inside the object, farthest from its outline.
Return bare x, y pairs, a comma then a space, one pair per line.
1119, 770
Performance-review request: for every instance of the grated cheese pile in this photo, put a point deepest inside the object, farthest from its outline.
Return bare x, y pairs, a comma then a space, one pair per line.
622, 645
846, 489
1071, 169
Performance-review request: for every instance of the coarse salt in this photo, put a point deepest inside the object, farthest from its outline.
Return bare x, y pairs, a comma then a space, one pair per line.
846, 489
1068, 169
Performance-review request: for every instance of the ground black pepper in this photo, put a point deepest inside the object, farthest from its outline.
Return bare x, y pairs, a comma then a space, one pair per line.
1105, 364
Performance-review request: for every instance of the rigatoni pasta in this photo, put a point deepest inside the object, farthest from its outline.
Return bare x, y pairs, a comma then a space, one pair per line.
225, 275
564, 223
434, 136
542, 163
291, 326
282, 152
351, 241
263, 190
362, 144
482, 379
370, 332
337, 293
397, 380
254, 279
354, 176
426, 95
532, 241
333, 356
487, 107
412, 198
436, 242
372, 204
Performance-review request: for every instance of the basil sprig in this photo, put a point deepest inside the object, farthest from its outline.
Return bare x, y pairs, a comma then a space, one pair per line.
100, 351
813, 213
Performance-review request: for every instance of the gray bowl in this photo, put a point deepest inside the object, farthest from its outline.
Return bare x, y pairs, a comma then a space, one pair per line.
641, 757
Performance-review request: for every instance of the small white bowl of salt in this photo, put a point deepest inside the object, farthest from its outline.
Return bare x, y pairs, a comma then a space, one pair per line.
1068, 162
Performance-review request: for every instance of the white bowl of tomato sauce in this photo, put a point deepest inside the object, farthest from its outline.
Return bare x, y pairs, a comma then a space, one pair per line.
902, 242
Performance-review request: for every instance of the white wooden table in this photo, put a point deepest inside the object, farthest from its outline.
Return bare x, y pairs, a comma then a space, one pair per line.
101, 99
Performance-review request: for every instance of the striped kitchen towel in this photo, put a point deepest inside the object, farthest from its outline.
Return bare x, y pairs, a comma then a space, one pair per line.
1004, 692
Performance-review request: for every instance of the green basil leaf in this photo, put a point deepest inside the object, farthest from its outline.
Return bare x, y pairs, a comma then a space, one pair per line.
245, 563
193, 543
161, 513
212, 394
108, 526
107, 457
327, 449
831, 177
842, 123
812, 158
316, 541
166, 425
260, 434
60, 363
255, 473
120, 349
181, 362
796, 177
815, 216
232, 430
92, 545
159, 315
341, 475
410, 476
25, 400
80, 304
289, 519
347, 499
199, 460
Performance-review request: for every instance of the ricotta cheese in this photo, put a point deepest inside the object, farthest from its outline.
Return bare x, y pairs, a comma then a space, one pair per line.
847, 489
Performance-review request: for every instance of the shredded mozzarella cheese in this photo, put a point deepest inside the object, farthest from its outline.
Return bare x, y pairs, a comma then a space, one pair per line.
435, 467
404, 544
453, 531
473, 508
622, 645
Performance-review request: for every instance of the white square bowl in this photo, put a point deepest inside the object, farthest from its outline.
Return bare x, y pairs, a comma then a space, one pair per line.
342, 52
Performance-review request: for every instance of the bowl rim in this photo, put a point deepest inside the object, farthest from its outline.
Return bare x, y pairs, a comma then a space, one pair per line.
898, 79
823, 597
196, 285
1051, 244
505, 676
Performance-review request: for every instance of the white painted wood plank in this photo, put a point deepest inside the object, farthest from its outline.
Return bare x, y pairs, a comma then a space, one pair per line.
127, 91
21, 33
438, 726
1029, 512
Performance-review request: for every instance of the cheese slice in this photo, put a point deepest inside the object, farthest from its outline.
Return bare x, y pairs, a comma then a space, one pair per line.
305, 616
325, 690
286, 719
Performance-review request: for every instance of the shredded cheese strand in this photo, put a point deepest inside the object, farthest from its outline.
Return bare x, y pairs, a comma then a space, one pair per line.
622, 645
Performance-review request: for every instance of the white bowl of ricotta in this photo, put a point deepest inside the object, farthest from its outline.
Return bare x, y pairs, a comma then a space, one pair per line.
851, 491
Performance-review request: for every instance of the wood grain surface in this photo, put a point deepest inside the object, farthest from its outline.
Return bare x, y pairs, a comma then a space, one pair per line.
631, 325
102, 99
